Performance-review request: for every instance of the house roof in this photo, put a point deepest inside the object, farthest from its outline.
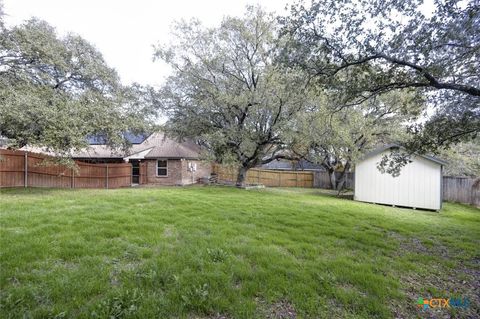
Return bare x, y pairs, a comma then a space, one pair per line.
390, 146
157, 145
132, 138
98, 151
162, 146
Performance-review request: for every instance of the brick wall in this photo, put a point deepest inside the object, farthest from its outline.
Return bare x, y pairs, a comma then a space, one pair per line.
174, 173
203, 169
178, 173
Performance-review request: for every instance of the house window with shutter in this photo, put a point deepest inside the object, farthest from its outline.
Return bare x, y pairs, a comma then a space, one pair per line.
162, 169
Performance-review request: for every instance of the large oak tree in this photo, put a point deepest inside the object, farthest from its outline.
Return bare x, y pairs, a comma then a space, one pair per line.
228, 93
56, 91
363, 49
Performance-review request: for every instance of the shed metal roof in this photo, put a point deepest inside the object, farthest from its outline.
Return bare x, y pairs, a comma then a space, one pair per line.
391, 146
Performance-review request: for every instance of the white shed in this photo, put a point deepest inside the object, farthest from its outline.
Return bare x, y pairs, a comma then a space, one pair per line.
419, 184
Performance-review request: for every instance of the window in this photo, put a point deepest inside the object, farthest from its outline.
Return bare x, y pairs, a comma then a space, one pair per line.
162, 168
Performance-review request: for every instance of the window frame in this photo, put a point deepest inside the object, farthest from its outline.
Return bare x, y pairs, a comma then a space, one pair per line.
158, 167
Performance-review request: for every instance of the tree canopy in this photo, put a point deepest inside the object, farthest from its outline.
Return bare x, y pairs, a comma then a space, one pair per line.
336, 137
228, 92
327, 83
56, 91
463, 159
363, 49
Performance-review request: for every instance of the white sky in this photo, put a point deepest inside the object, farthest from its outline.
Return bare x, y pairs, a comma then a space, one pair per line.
124, 31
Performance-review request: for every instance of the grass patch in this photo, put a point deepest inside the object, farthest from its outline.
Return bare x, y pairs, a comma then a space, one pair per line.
219, 252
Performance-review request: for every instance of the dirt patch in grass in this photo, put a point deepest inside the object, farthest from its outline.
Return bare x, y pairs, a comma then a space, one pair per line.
408, 244
435, 286
440, 282
214, 316
282, 309
170, 232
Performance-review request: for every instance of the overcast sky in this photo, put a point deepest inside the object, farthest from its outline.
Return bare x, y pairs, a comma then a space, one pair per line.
124, 31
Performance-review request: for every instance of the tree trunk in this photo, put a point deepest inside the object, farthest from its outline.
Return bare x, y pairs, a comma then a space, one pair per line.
343, 178
333, 180
242, 176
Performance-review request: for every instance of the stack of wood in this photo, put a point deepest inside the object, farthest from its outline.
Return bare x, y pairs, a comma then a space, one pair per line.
213, 179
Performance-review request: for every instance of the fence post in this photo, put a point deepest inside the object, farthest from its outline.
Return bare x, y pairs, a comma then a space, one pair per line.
106, 176
258, 177
72, 184
25, 171
296, 179
279, 179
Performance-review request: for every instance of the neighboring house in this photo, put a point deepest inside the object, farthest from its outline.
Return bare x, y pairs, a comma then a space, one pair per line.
419, 184
301, 165
156, 159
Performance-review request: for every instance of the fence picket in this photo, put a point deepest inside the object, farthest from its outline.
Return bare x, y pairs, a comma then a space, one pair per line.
25, 170
266, 177
19, 168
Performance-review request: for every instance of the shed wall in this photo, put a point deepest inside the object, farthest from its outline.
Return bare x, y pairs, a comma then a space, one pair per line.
419, 183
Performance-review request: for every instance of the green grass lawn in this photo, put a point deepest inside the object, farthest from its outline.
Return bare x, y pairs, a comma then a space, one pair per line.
218, 252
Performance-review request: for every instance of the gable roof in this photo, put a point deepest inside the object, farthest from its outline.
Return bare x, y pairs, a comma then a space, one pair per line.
162, 146
98, 151
391, 146
157, 145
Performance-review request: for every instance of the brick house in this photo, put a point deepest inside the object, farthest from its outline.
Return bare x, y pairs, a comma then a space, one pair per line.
156, 159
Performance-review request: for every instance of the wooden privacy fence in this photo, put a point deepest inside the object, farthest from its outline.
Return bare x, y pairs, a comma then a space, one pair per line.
461, 189
269, 178
322, 180
25, 169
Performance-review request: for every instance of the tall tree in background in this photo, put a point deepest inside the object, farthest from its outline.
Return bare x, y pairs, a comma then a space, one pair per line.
336, 137
227, 92
54, 92
364, 49
463, 159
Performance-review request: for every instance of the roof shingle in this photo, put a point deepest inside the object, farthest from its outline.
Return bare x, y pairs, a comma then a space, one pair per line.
161, 147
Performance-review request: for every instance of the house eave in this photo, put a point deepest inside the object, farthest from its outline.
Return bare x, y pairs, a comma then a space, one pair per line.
172, 157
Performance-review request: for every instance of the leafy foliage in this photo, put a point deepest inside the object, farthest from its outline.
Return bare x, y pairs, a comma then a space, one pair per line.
228, 92
368, 48
54, 92
336, 137
463, 159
